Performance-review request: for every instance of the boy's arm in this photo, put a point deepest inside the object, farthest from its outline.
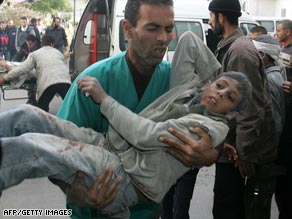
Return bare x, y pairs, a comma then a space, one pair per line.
144, 134
141, 132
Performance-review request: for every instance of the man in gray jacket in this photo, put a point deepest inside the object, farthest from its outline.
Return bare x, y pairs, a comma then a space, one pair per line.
243, 188
51, 73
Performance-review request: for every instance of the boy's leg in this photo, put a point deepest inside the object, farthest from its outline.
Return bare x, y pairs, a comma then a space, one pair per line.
26, 118
34, 155
192, 60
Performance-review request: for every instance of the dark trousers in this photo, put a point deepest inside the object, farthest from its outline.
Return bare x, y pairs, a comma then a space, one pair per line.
241, 198
176, 203
50, 92
283, 195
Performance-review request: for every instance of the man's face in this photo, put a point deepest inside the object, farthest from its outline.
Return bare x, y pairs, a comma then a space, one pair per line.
10, 23
2, 26
221, 96
281, 34
30, 44
57, 22
254, 35
23, 22
148, 41
217, 28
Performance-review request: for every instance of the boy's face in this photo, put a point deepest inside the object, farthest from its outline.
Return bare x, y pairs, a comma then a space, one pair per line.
221, 96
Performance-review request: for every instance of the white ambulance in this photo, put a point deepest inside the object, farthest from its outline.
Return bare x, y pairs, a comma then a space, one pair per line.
100, 34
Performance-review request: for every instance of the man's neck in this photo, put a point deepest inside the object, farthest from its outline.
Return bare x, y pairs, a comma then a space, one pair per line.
288, 41
141, 79
228, 30
140, 65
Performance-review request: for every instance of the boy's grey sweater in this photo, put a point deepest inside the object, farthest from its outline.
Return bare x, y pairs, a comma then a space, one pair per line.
143, 156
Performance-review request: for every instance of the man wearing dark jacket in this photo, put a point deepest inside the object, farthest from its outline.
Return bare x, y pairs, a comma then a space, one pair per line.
244, 187
284, 189
33, 24
22, 32
11, 30
59, 35
4, 41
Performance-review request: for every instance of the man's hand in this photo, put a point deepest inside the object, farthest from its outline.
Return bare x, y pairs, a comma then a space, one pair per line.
189, 151
101, 194
287, 86
91, 86
3, 63
246, 168
2, 81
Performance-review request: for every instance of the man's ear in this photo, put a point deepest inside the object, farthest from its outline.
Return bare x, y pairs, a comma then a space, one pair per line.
128, 28
288, 32
221, 18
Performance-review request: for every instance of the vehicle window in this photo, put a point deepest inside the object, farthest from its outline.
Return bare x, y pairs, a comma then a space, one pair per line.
246, 27
183, 26
87, 32
269, 25
277, 23
250, 26
179, 28
123, 41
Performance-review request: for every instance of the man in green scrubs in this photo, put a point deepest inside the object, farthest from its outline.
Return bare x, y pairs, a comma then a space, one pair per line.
135, 78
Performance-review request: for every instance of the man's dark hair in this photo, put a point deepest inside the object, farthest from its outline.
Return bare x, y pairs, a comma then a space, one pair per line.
31, 37
48, 40
23, 18
55, 18
132, 10
287, 24
33, 21
258, 29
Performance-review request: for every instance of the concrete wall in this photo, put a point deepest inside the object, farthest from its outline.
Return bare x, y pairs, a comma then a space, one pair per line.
268, 8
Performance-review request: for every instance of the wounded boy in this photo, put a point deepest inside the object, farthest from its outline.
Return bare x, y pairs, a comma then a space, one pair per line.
37, 144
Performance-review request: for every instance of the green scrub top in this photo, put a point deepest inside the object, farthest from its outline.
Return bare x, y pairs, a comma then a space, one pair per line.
116, 79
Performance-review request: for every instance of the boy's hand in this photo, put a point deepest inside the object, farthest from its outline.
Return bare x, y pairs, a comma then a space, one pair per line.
287, 86
231, 151
91, 86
